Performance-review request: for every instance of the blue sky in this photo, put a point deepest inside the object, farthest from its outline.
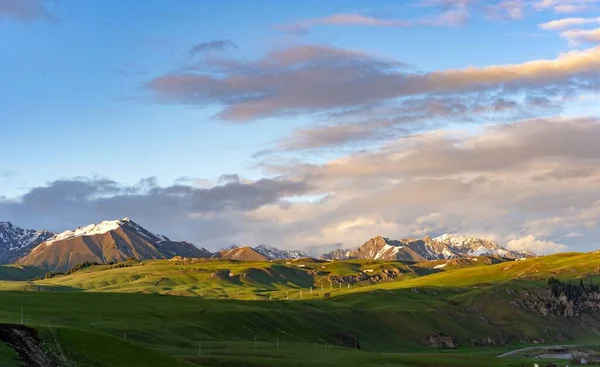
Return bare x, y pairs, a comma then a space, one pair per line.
88, 94
76, 82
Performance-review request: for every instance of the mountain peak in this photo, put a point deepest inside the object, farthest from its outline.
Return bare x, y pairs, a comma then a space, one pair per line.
16, 241
89, 230
105, 227
446, 246
110, 240
274, 253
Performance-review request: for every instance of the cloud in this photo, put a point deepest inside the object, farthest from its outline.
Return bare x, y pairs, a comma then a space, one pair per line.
217, 45
183, 211
343, 19
577, 36
505, 182
566, 6
503, 146
24, 10
564, 23
379, 123
535, 177
447, 3
455, 17
309, 79
532, 244
511, 9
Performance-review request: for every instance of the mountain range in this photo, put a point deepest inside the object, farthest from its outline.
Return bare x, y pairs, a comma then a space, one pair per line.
444, 247
119, 240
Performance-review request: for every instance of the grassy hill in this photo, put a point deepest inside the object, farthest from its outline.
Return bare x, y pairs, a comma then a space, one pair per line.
212, 278
19, 272
227, 318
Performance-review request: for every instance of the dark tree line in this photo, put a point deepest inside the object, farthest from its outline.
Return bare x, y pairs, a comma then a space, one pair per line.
573, 291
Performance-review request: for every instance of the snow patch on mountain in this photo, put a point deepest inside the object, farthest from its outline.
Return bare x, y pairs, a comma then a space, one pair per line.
15, 238
16, 241
273, 253
105, 227
443, 247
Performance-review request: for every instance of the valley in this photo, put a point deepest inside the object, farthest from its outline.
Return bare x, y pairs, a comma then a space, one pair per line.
138, 291
170, 306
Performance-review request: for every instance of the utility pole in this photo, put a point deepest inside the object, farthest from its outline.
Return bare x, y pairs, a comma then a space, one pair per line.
310, 290
286, 295
300, 294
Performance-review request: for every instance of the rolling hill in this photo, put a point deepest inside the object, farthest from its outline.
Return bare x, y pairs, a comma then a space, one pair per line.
406, 310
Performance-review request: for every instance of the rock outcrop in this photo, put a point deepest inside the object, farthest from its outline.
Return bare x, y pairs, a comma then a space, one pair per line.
440, 340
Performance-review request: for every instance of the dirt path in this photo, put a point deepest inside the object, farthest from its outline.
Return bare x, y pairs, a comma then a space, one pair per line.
25, 341
541, 347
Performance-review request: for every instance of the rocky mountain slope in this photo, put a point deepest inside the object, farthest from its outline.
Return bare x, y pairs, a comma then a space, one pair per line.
16, 242
443, 247
105, 242
122, 239
245, 253
273, 253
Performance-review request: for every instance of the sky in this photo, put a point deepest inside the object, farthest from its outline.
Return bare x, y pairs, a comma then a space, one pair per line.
311, 125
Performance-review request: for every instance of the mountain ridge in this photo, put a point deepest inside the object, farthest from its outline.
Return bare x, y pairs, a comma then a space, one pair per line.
104, 242
16, 242
446, 247
110, 241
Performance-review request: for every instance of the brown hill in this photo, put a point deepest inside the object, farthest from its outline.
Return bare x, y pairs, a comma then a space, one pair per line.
245, 253
106, 242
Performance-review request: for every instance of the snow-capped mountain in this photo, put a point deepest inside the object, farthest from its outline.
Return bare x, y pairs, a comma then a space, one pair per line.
107, 241
443, 247
339, 254
273, 253
378, 248
16, 242
464, 246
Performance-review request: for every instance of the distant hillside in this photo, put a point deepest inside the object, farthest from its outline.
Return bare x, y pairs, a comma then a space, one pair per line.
443, 247
105, 242
245, 253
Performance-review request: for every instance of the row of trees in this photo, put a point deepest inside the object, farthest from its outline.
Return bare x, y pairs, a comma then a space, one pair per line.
573, 291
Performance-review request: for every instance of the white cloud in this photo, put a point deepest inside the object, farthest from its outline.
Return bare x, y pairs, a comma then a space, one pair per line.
532, 244
567, 23
566, 6
576, 36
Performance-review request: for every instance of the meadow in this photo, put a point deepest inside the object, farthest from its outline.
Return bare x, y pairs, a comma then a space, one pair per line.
226, 313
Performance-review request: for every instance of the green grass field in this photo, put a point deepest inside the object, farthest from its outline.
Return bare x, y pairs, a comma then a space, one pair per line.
218, 313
